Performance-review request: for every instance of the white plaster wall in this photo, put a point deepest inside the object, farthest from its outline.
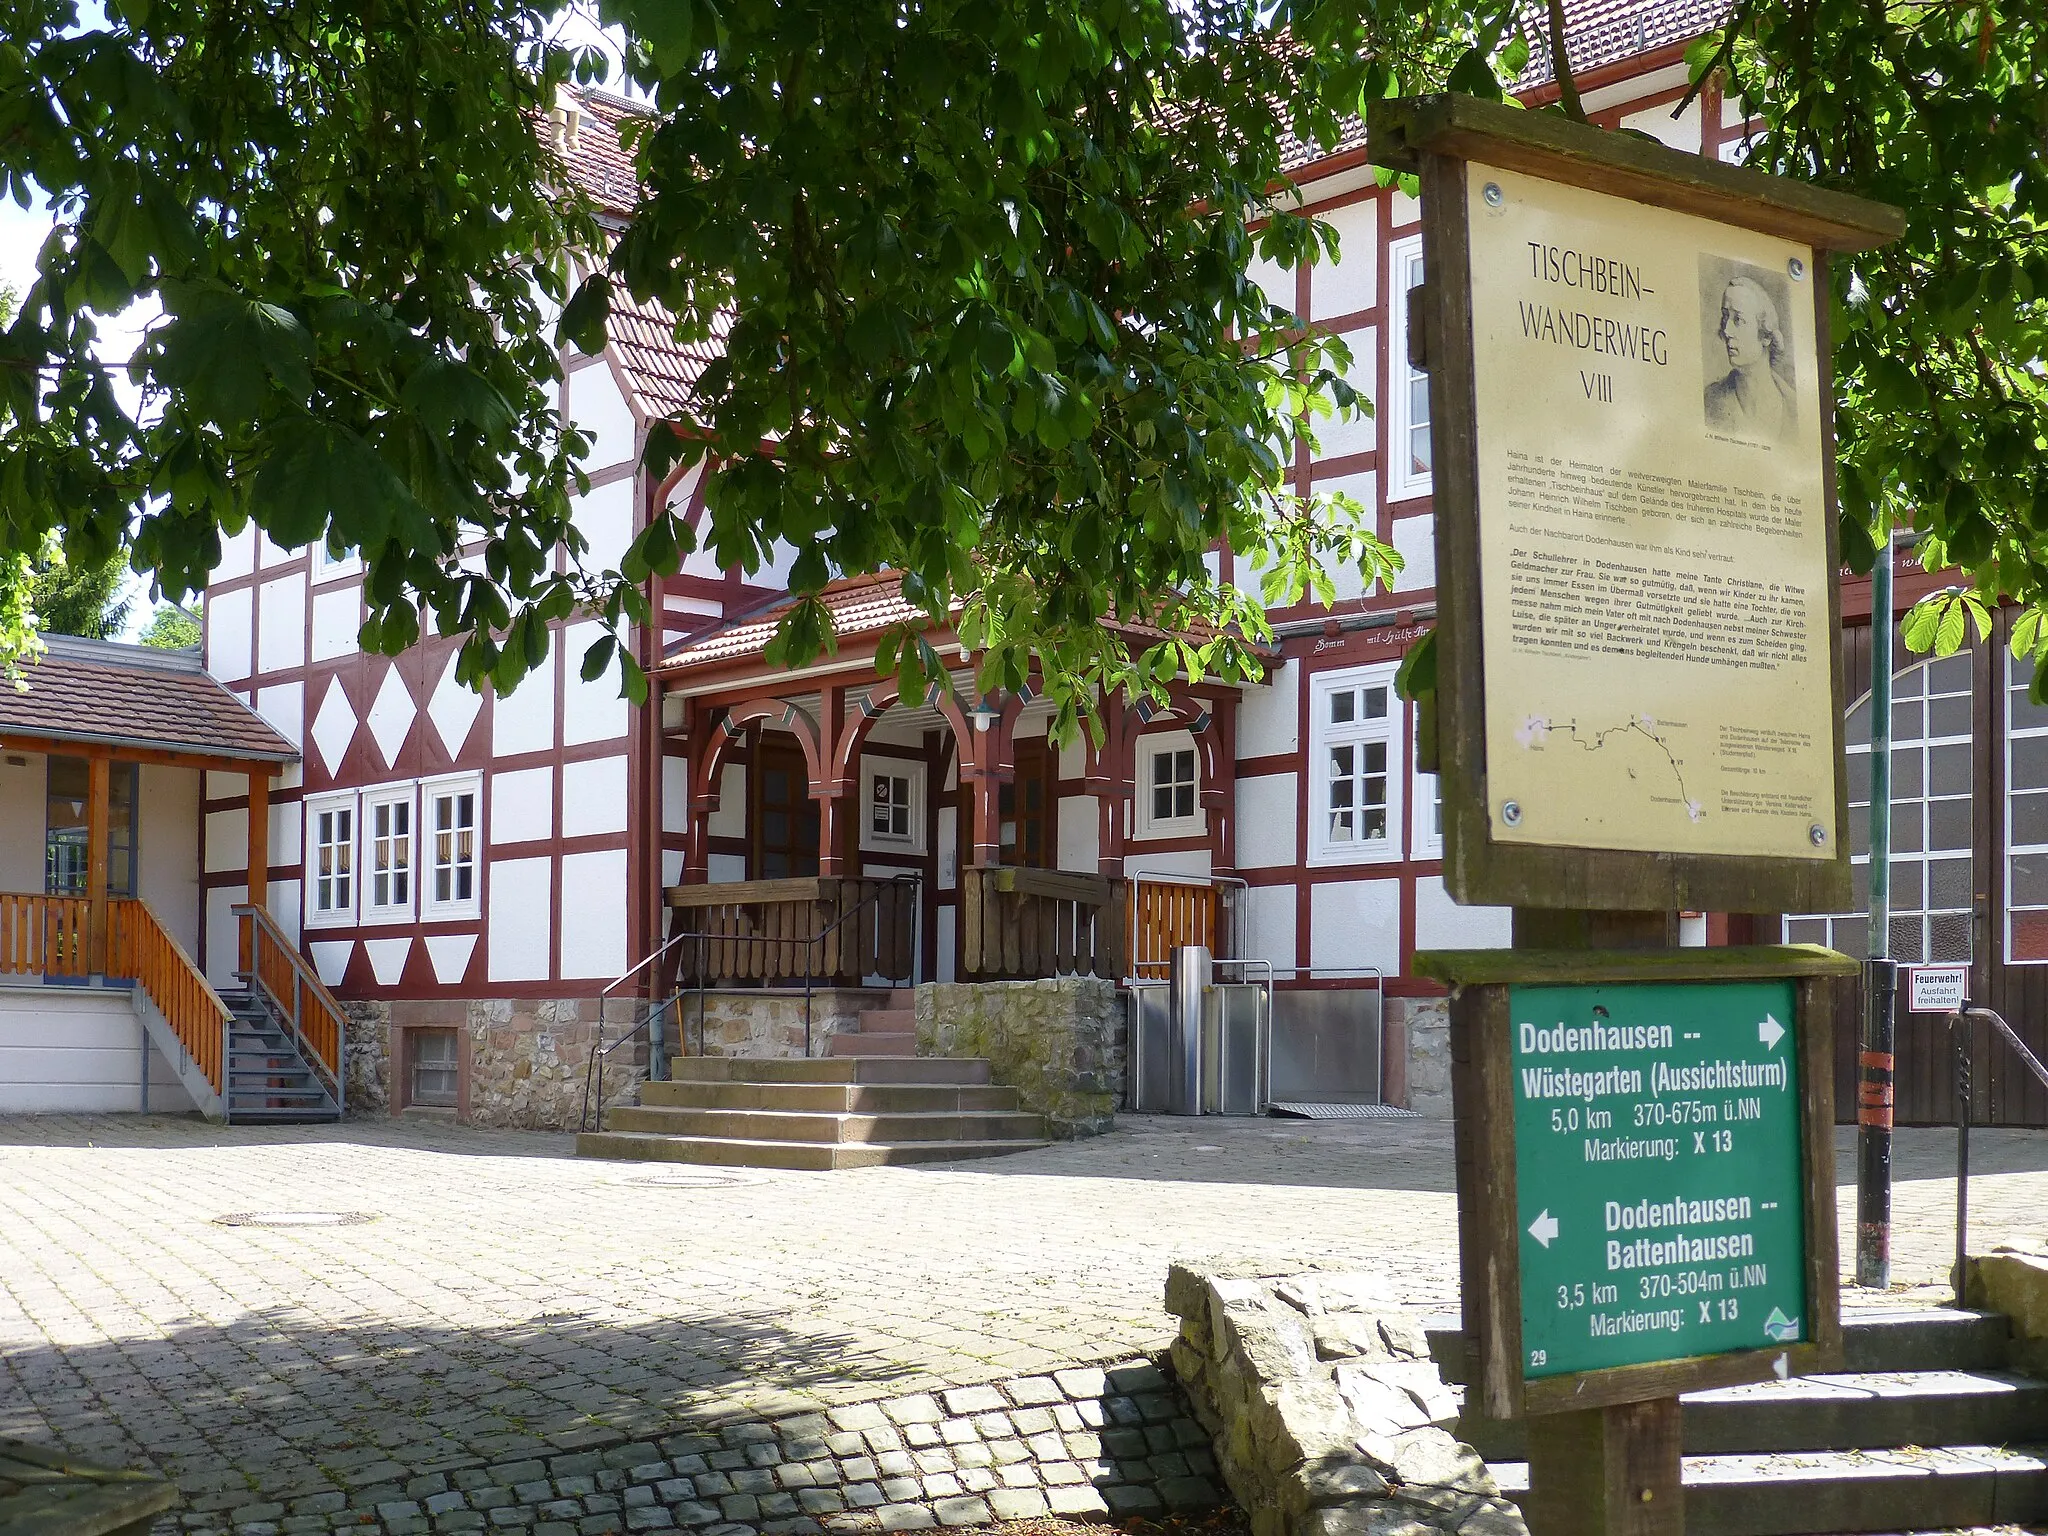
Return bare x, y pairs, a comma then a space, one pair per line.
948, 958
1681, 132
1269, 716
1188, 861
1337, 435
594, 924
675, 795
591, 711
597, 406
1440, 923
1080, 838
227, 841
23, 793
337, 616
220, 934
594, 797
523, 805
724, 868
949, 844
1355, 923
167, 850
730, 819
522, 908
604, 517
1270, 926
281, 640
524, 720
1275, 281
78, 1050
1265, 821
228, 616
1415, 543
237, 554
1351, 283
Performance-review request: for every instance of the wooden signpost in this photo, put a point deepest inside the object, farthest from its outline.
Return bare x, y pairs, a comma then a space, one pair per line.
1638, 711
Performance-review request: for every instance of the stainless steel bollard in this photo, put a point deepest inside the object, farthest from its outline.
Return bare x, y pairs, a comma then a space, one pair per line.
1187, 985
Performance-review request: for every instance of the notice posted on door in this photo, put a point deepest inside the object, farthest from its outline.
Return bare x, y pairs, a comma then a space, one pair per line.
1653, 539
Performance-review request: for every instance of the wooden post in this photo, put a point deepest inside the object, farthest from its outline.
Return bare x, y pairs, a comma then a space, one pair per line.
98, 796
1613, 1471
259, 862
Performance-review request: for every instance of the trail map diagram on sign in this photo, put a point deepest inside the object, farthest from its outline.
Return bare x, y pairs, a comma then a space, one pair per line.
1538, 732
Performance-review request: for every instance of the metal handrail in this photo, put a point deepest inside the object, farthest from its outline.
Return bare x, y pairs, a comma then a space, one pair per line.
1959, 1033
593, 1110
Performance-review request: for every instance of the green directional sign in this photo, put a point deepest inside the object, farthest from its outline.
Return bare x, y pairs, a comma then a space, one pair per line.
1658, 1172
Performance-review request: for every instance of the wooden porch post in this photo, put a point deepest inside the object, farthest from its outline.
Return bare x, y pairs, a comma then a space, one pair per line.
259, 862
98, 795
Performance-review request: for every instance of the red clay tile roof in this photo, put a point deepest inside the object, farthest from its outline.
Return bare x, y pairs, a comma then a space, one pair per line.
1602, 32
95, 692
860, 605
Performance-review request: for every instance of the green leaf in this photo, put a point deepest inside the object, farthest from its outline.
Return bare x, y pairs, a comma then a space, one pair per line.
1416, 675
598, 657
584, 317
1921, 622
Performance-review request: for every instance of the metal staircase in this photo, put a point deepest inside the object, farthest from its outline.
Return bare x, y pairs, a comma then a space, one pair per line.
268, 1076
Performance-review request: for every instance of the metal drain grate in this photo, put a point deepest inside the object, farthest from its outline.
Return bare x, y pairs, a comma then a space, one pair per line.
295, 1219
1343, 1112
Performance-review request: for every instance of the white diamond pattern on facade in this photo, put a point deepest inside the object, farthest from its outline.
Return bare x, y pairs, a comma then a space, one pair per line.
391, 716
334, 727
453, 709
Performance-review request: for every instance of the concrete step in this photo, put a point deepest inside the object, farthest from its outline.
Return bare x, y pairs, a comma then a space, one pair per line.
864, 1044
888, 1021
1862, 1411
1828, 1492
726, 1152
849, 1098
817, 1126
828, 1069
1905, 1339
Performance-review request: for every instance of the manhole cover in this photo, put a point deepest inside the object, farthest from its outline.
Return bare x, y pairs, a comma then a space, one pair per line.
295, 1219
687, 1180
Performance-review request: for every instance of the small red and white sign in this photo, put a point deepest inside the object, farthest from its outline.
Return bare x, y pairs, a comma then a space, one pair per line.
1936, 988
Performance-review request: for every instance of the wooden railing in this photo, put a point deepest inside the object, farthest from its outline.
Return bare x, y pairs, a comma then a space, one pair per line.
140, 948
1022, 924
833, 930
1166, 914
276, 968
44, 935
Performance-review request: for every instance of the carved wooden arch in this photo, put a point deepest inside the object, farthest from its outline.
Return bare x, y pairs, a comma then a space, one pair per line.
706, 770
860, 721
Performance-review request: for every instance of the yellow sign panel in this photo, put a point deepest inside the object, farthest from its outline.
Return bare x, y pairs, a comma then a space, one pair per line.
1652, 528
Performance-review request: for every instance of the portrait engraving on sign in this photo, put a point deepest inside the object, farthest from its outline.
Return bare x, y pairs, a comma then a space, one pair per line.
1659, 1172
1652, 528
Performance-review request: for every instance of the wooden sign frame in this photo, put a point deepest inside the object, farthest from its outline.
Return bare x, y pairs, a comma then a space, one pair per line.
1489, 1231
1435, 137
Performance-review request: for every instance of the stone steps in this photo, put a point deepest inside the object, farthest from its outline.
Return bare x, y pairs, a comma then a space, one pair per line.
847, 1098
894, 1071
860, 1043
829, 1126
643, 1147
1912, 1487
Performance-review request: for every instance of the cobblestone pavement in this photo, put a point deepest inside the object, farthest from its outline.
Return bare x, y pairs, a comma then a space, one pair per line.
508, 1308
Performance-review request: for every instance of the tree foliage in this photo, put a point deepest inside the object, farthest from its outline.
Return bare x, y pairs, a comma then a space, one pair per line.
979, 271
171, 628
80, 598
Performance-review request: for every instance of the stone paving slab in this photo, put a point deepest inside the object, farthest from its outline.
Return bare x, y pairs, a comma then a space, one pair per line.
508, 1303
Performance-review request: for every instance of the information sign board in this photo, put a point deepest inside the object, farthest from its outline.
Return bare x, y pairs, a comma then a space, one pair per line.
1936, 988
1659, 1172
1638, 706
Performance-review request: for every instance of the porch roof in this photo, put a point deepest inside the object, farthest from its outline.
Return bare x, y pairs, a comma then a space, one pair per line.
99, 693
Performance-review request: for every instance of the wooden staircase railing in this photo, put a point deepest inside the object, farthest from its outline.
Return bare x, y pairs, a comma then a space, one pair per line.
833, 930
45, 935
275, 967
140, 947
1024, 924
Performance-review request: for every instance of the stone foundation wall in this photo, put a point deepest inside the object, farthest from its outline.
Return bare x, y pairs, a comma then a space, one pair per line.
1328, 1416
1427, 1024
1059, 1043
366, 1058
765, 1022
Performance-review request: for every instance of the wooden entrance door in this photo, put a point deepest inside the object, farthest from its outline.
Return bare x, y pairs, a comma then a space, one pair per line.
1027, 809
785, 816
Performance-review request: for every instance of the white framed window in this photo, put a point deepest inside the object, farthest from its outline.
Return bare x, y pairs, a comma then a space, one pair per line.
891, 805
1930, 821
390, 855
2026, 818
1426, 837
451, 882
1355, 741
1169, 786
1408, 453
329, 566
330, 859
